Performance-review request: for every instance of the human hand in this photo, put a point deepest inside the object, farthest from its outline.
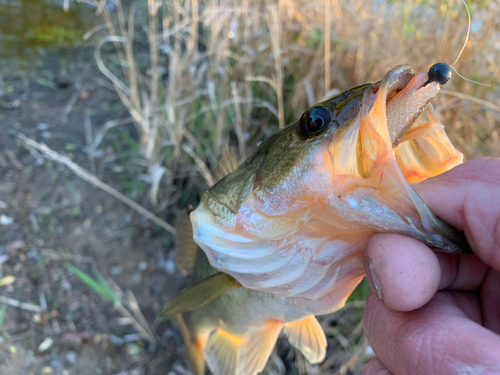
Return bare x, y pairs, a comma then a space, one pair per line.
435, 313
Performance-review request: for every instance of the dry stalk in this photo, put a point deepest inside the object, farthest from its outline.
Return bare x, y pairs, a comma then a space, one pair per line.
275, 28
471, 99
328, 21
22, 305
201, 165
238, 124
128, 306
88, 138
90, 178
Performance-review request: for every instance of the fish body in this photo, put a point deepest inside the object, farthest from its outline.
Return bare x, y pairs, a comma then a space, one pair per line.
286, 230
236, 332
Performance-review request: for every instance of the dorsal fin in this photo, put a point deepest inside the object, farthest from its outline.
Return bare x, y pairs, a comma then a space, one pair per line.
308, 337
199, 294
230, 354
185, 246
228, 163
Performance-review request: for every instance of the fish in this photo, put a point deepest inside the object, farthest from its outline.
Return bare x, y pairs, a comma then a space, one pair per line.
294, 218
231, 328
281, 237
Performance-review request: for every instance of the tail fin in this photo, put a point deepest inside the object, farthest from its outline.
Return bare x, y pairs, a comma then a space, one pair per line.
229, 354
194, 347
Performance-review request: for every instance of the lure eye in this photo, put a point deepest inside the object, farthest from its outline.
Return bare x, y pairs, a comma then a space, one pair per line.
314, 121
440, 73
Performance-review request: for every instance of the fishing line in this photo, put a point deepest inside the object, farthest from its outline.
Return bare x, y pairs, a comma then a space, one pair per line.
452, 66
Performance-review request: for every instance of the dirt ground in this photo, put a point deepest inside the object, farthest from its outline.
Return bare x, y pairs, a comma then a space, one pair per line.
51, 217
50, 321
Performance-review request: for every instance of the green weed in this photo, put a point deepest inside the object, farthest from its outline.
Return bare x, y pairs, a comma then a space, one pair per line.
98, 284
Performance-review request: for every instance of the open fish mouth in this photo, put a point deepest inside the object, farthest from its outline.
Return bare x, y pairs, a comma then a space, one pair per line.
295, 217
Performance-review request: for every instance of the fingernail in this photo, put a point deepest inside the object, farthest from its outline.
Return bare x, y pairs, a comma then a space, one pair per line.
372, 279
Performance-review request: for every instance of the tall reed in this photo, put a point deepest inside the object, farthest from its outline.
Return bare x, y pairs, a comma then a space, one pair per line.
232, 72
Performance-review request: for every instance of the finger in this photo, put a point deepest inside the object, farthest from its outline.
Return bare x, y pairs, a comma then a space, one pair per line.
461, 272
490, 301
375, 367
406, 274
468, 197
403, 272
438, 338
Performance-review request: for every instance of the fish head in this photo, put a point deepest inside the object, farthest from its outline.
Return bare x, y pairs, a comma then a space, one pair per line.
295, 217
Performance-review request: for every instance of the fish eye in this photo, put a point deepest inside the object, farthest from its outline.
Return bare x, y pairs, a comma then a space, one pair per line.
314, 121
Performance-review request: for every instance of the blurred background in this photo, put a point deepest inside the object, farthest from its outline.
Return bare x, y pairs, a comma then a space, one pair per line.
135, 102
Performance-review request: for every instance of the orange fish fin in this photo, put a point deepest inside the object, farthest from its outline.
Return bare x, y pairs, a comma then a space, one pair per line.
228, 354
257, 348
221, 352
185, 246
228, 163
308, 337
194, 347
426, 150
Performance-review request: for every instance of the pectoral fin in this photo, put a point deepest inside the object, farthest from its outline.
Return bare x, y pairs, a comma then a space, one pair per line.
308, 337
199, 294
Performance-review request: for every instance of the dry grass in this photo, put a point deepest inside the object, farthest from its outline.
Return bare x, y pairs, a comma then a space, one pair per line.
232, 72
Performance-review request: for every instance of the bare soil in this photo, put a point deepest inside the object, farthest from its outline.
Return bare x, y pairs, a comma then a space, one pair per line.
57, 218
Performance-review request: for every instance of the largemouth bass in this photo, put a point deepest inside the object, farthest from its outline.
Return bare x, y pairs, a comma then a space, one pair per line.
294, 218
288, 228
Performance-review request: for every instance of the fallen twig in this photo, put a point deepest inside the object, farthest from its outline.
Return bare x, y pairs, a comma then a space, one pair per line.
92, 179
16, 162
88, 139
22, 305
69, 106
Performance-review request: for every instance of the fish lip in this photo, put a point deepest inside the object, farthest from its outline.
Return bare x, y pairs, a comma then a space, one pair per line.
396, 80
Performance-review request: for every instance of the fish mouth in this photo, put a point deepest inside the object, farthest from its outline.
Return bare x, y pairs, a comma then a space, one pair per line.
408, 94
401, 140
396, 111
397, 79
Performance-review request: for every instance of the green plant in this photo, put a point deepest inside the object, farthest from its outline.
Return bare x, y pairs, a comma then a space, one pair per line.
124, 304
